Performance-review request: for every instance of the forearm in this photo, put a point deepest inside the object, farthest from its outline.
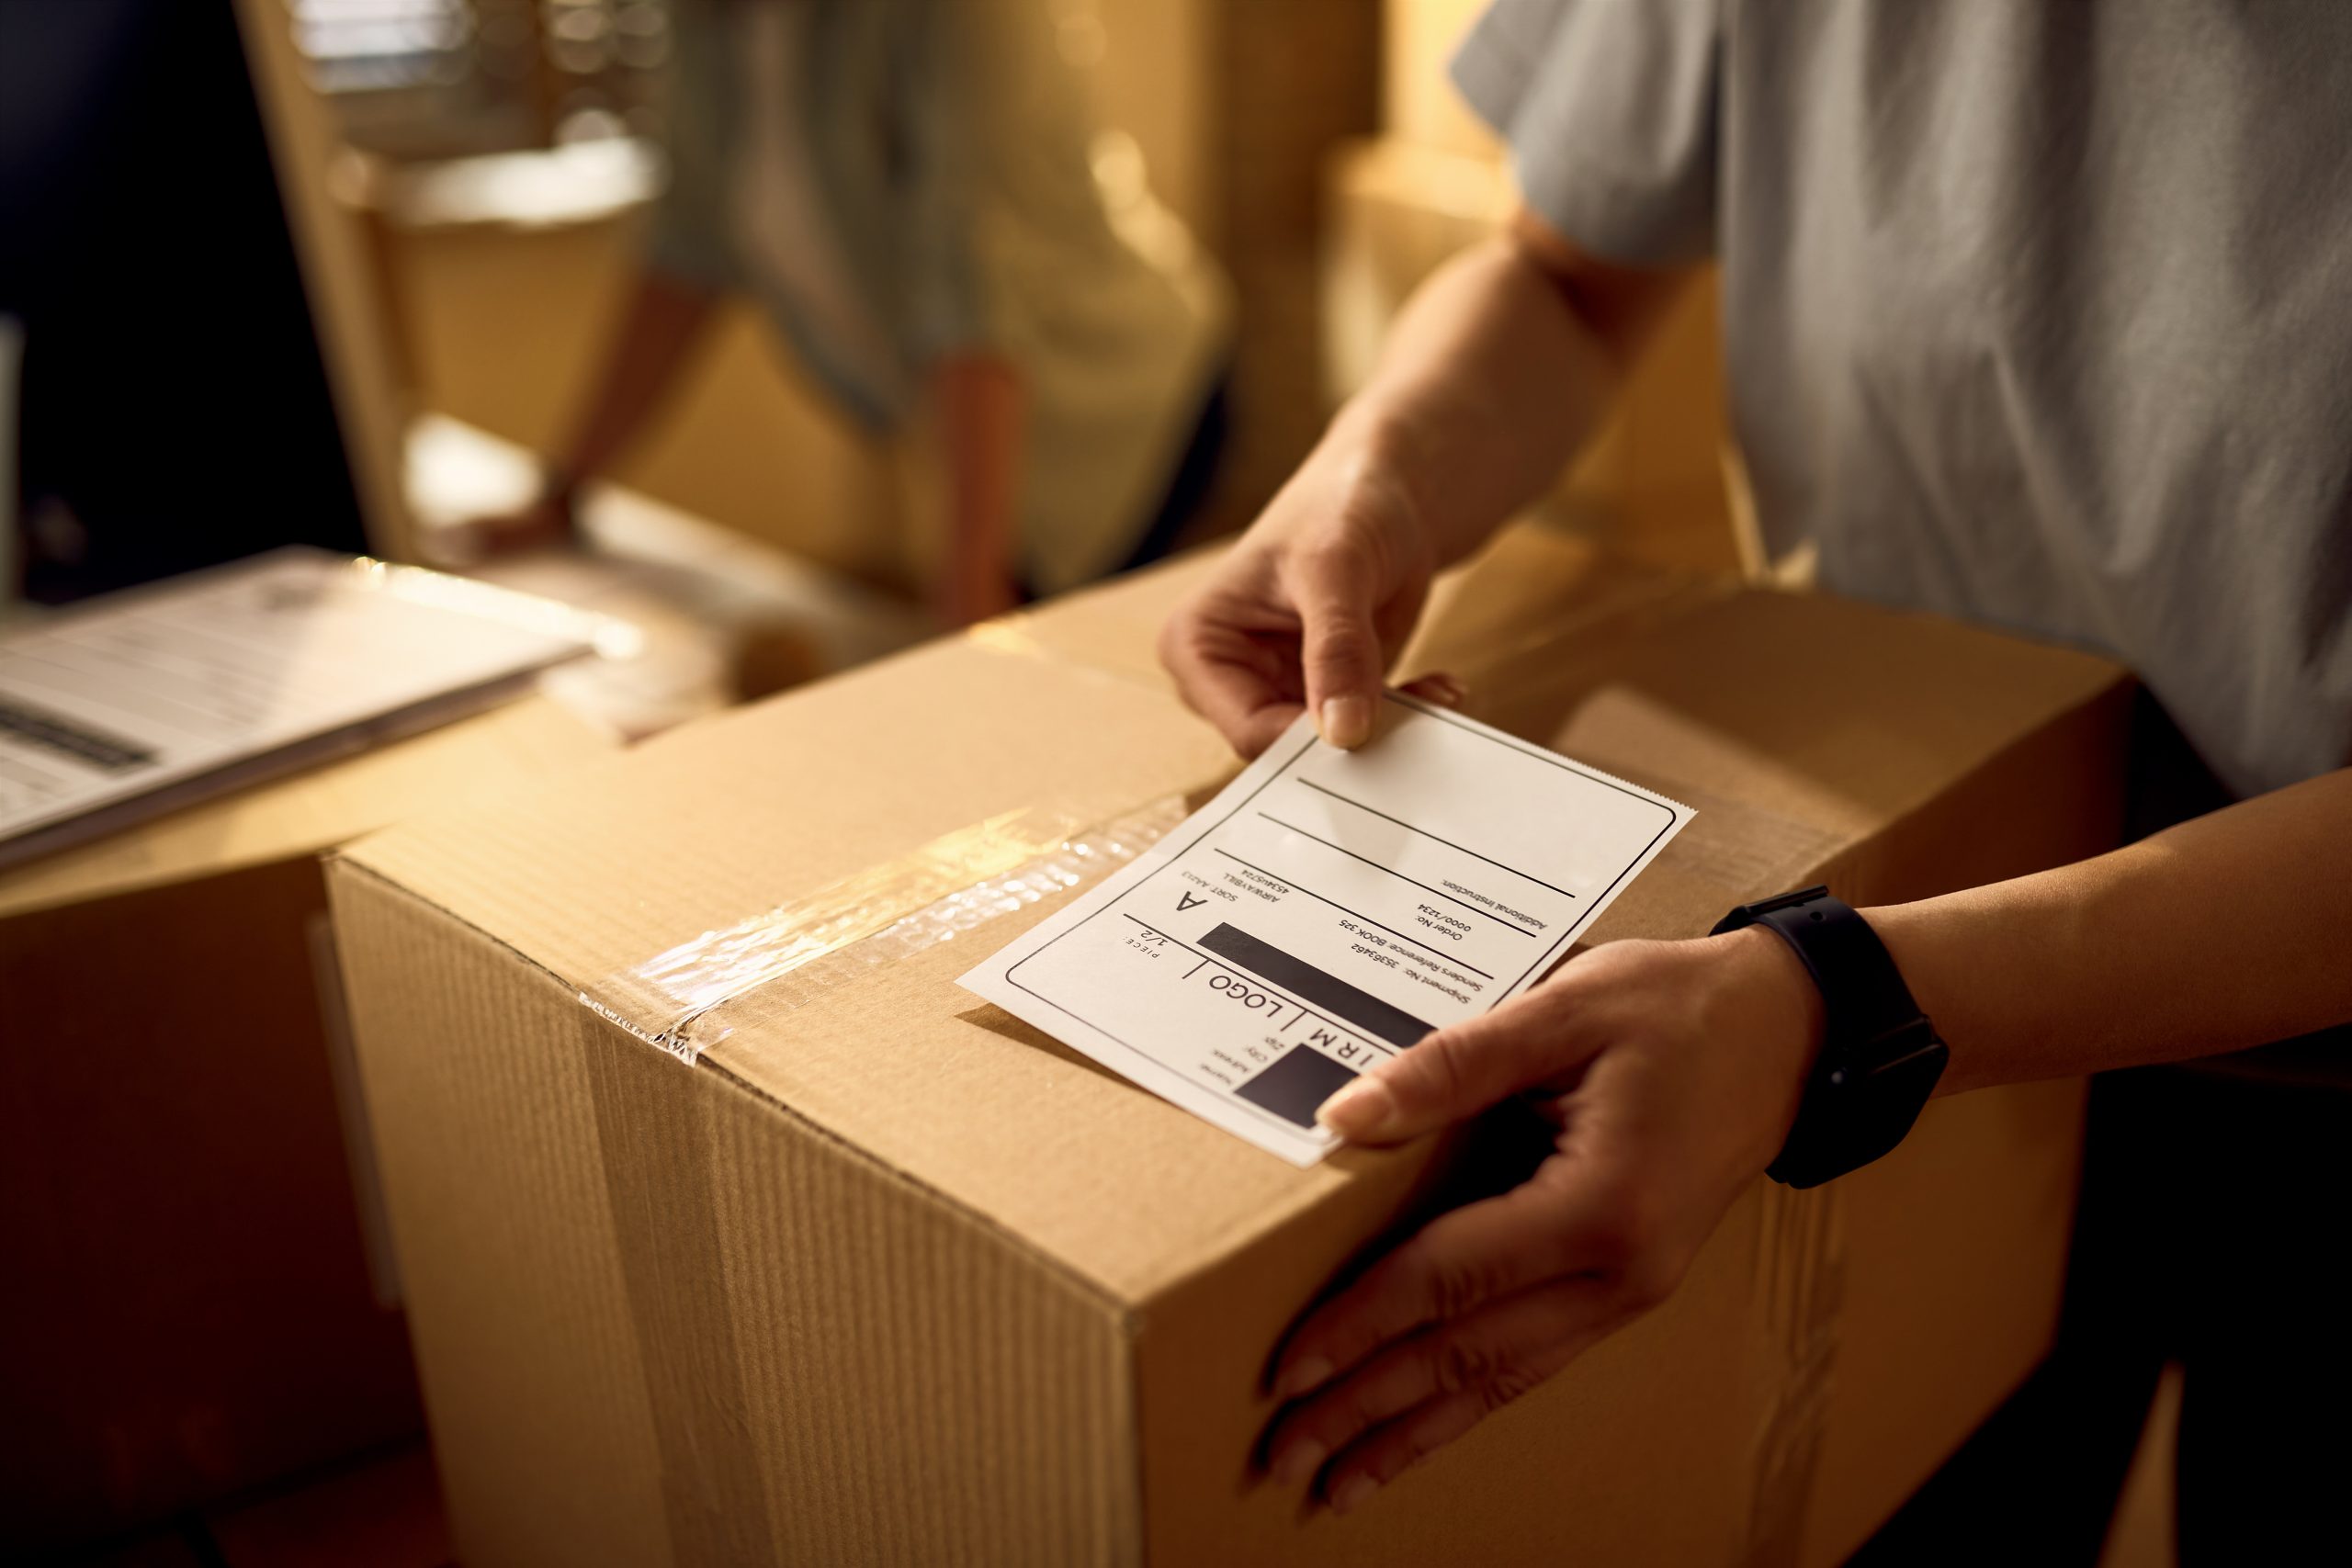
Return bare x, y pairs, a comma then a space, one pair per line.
983, 412
1498, 371
2227, 932
663, 320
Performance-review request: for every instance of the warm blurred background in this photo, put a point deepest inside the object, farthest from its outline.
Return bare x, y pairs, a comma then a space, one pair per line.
346, 272
499, 155
468, 186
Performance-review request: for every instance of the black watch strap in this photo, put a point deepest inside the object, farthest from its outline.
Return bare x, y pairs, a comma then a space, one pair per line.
1879, 1057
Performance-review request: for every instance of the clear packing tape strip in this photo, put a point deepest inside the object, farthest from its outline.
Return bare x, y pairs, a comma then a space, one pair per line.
798, 951
966, 879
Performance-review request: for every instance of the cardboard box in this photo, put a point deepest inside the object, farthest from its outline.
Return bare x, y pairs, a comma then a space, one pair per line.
883, 1275
192, 1305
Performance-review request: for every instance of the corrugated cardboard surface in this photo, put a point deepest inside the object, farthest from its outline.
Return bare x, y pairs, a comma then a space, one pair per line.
662, 1319
191, 1307
888, 1275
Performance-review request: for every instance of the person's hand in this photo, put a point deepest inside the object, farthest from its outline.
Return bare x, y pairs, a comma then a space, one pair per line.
1307, 610
1672, 1071
547, 522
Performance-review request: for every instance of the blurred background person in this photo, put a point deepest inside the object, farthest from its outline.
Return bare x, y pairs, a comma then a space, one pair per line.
909, 187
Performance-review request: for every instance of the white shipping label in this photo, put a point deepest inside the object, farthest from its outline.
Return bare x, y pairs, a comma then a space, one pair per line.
1326, 910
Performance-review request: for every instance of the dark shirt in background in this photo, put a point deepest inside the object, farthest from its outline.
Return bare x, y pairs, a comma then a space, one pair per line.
173, 408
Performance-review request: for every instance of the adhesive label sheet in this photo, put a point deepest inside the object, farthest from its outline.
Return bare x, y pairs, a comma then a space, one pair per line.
1326, 910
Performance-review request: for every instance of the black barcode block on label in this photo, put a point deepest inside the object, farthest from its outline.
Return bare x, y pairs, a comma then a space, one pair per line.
1299, 1080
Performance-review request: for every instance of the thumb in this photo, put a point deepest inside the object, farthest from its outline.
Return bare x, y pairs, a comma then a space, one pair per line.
1339, 650
1451, 1076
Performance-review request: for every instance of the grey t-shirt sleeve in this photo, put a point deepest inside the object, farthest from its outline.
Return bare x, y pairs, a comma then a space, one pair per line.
1609, 108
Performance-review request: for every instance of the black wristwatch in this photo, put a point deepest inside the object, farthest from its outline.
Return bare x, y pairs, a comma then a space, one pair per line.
1879, 1057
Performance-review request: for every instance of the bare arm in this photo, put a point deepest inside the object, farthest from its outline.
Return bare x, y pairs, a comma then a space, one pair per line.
1674, 1070
664, 318
2227, 932
982, 408
1496, 373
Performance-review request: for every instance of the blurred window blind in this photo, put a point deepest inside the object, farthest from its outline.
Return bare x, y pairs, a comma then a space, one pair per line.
448, 78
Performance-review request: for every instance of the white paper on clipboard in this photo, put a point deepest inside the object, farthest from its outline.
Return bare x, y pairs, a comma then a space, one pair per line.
149, 699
